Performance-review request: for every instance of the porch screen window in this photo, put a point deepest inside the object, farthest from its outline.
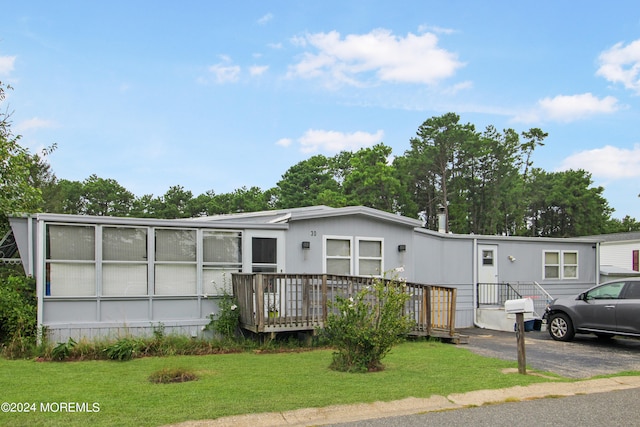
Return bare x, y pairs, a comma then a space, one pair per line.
338, 256
222, 255
370, 257
175, 262
264, 254
124, 261
70, 266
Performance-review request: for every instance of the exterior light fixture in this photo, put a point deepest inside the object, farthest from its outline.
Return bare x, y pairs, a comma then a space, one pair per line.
402, 248
306, 245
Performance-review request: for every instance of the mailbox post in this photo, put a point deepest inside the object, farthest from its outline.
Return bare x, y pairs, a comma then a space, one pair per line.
519, 307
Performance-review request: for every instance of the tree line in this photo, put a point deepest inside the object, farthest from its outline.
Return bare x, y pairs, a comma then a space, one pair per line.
483, 182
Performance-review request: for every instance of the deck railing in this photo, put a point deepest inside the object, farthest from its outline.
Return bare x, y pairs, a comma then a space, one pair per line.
278, 302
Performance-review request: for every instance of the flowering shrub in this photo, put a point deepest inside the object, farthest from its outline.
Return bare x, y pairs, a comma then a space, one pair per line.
227, 321
364, 327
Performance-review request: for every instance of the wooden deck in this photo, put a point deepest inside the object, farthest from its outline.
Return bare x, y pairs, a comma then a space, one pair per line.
278, 302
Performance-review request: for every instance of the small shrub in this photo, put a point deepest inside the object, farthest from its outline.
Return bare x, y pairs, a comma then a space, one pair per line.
158, 332
124, 349
364, 327
227, 321
63, 349
172, 375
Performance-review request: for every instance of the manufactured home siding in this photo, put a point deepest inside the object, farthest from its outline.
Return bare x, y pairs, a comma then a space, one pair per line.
619, 254
443, 261
316, 230
424, 256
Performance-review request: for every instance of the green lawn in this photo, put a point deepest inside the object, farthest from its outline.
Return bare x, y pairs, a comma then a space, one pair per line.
229, 384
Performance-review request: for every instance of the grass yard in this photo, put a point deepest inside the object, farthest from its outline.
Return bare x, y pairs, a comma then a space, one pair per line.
233, 384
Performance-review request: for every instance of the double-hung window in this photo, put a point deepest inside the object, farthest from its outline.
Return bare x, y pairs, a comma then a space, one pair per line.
338, 255
370, 257
354, 255
560, 264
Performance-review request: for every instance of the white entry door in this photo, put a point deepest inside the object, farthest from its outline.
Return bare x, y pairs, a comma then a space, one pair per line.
488, 274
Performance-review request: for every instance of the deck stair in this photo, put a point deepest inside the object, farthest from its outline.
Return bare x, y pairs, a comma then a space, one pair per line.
492, 296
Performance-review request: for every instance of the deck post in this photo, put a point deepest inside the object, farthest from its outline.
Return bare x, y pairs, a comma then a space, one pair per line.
324, 298
306, 300
452, 312
427, 307
259, 293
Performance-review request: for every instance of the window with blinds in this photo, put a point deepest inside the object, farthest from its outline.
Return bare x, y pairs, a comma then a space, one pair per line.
175, 268
70, 265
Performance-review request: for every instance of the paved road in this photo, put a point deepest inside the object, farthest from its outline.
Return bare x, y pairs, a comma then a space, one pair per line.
615, 408
584, 357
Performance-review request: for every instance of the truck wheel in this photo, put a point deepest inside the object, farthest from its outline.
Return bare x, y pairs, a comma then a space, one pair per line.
560, 327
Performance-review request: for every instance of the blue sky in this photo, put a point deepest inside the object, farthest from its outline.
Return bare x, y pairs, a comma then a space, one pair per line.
219, 95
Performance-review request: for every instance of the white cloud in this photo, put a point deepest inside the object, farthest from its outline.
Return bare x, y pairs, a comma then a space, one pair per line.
458, 87
33, 124
284, 142
333, 141
258, 70
266, 18
6, 64
225, 71
435, 29
374, 57
568, 108
606, 163
621, 64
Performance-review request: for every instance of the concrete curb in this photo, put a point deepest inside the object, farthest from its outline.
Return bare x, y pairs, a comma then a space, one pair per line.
363, 411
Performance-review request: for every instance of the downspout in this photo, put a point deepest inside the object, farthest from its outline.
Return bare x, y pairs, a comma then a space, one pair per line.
30, 251
597, 263
474, 285
40, 276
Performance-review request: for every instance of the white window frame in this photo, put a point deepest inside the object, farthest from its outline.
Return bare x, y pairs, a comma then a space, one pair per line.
561, 264
565, 264
135, 265
354, 253
216, 275
358, 257
166, 271
61, 274
325, 257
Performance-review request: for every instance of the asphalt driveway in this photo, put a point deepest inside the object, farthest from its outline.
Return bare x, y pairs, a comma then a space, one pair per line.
584, 357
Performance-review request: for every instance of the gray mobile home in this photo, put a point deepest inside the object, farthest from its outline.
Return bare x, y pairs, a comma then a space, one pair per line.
103, 276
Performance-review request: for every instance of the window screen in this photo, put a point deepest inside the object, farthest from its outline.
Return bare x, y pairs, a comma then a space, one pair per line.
338, 256
370, 257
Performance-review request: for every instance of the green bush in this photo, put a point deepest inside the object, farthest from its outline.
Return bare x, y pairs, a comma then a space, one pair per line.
227, 321
124, 349
363, 328
18, 321
63, 349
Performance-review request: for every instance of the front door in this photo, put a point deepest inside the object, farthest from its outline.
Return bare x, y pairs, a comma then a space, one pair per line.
264, 253
488, 274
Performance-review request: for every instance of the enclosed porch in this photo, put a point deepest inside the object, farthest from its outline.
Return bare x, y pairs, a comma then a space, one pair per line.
278, 302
